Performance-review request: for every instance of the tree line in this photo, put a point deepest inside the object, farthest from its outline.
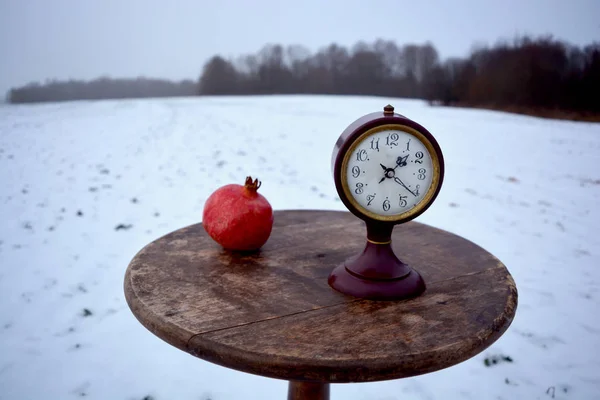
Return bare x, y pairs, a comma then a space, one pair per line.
534, 74
101, 88
381, 68
526, 73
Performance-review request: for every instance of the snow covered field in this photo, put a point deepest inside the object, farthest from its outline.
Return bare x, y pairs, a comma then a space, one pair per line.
84, 186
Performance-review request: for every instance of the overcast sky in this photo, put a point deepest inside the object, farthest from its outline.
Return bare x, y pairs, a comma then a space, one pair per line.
84, 39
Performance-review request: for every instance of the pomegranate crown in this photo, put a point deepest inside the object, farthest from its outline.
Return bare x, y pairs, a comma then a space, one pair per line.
252, 184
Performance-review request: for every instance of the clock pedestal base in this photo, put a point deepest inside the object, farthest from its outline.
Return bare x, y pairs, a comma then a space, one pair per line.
377, 274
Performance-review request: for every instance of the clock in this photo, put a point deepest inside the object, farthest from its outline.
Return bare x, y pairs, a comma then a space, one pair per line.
387, 170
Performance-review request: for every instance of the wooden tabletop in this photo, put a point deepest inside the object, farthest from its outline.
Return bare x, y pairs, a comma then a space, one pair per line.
272, 313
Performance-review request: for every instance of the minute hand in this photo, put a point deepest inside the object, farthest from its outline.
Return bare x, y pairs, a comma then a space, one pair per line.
404, 186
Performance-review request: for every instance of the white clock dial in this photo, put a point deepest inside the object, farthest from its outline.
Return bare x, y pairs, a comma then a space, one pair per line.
389, 172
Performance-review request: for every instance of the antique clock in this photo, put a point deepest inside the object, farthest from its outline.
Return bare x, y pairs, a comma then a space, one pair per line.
387, 170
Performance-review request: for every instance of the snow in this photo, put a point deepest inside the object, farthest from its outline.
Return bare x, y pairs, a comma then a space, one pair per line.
526, 189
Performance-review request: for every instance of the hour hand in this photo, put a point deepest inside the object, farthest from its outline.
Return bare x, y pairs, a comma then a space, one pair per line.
399, 181
385, 169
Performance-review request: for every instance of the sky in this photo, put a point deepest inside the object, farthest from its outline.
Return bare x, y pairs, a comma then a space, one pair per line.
74, 39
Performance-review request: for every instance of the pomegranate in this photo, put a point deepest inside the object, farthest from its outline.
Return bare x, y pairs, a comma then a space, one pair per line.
238, 217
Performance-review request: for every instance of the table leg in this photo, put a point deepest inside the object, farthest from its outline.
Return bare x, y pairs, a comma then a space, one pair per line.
308, 391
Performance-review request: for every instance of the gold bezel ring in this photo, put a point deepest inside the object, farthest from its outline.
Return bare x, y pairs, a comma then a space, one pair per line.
435, 181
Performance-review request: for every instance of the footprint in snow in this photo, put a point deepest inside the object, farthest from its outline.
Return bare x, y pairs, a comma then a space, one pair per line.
509, 382
123, 227
588, 181
65, 333
76, 346
551, 391
49, 284
541, 341
581, 252
81, 390
586, 296
496, 359
27, 296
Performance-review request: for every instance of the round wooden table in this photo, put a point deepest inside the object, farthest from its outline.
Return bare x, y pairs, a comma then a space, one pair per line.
272, 313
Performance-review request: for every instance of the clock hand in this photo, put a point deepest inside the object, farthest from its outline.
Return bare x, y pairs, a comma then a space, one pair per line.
404, 186
401, 161
384, 174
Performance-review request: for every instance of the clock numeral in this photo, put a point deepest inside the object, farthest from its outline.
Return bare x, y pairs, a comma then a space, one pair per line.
355, 171
359, 188
408, 145
417, 190
421, 175
370, 199
386, 204
403, 202
361, 155
392, 139
375, 144
419, 155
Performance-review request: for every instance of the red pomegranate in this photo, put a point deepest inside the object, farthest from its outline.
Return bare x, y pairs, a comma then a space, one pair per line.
238, 217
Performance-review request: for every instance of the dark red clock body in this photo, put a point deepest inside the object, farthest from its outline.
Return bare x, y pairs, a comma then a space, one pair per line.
377, 273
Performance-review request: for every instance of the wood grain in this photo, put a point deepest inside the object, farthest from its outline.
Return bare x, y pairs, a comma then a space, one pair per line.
272, 313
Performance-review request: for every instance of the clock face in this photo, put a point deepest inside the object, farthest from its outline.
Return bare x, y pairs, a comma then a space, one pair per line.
390, 172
